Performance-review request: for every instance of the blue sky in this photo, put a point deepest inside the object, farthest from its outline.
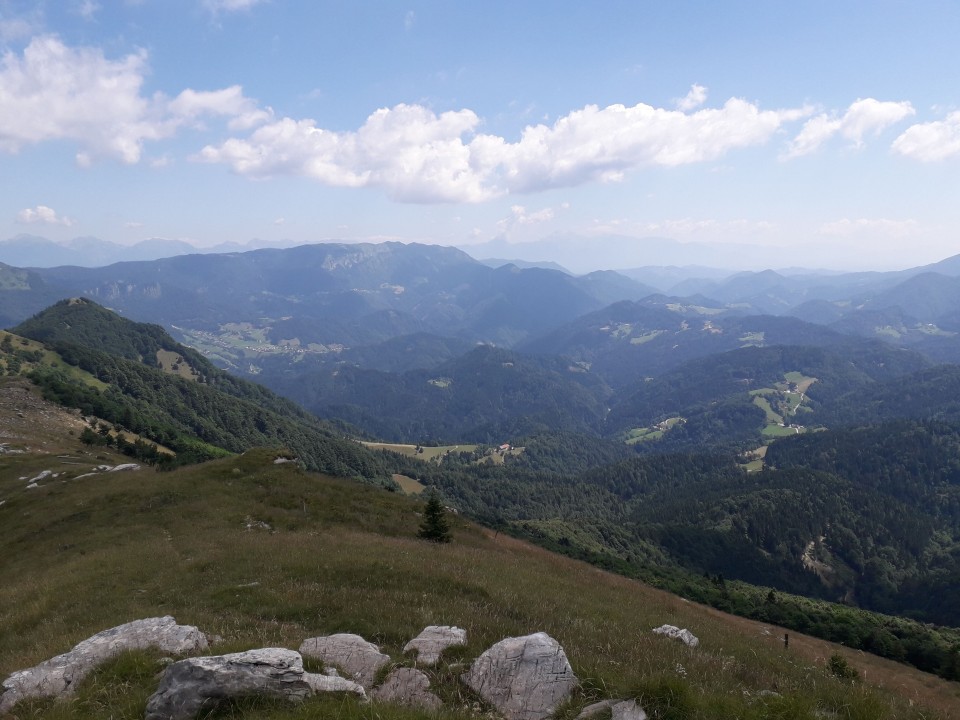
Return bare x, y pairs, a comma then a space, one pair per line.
828, 129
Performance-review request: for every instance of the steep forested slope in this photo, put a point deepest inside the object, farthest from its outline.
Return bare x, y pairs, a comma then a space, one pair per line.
488, 395
199, 413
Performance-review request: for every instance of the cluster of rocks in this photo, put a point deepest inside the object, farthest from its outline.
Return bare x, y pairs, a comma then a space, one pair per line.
524, 678
34, 482
5, 449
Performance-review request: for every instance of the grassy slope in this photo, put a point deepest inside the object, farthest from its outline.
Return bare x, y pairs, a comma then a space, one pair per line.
83, 555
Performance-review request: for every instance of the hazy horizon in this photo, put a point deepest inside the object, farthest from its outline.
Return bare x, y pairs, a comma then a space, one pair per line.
561, 252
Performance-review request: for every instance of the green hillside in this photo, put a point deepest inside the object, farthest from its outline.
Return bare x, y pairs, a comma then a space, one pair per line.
112, 369
267, 555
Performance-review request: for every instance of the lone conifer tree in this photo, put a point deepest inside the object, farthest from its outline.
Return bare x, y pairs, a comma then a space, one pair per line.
435, 527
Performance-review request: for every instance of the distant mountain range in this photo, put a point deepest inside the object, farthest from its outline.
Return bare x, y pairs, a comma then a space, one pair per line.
333, 293
583, 253
398, 308
34, 251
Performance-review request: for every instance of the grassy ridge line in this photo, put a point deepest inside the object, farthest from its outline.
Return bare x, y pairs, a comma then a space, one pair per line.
341, 557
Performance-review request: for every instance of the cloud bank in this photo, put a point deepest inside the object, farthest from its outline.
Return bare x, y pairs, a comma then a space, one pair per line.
55, 92
416, 155
410, 152
863, 117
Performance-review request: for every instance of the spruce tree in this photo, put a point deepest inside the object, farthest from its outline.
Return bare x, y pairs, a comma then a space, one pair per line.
434, 526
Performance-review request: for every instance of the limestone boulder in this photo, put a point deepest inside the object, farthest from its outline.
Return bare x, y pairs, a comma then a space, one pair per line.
200, 683
434, 639
59, 676
407, 686
361, 660
328, 682
525, 678
684, 635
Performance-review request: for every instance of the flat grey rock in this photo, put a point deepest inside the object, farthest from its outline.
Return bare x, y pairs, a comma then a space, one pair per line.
407, 686
59, 675
525, 678
200, 683
434, 639
361, 660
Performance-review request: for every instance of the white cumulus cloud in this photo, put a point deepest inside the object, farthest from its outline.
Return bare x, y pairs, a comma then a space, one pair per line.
55, 92
693, 99
932, 141
41, 214
415, 155
229, 102
862, 118
604, 143
410, 152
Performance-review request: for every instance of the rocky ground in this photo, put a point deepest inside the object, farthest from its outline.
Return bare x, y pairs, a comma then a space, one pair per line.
31, 424
40, 442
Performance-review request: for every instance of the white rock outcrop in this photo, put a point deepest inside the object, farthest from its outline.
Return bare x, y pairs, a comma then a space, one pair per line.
684, 635
59, 675
361, 660
525, 678
433, 640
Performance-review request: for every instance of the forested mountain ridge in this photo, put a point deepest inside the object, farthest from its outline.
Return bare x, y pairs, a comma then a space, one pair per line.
207, 414
487, 395
629, 340
717, 394
79, 321
427, 288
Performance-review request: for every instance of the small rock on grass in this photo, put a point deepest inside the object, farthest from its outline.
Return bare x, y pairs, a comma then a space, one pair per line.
433, 640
